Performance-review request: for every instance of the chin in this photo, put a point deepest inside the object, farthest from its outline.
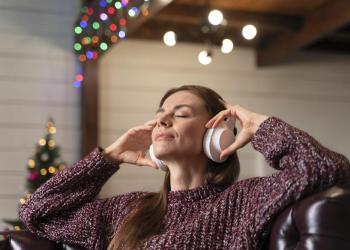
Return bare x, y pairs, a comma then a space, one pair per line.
162, 152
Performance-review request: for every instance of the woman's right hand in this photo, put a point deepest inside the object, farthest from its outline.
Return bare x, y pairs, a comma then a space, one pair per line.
132, 146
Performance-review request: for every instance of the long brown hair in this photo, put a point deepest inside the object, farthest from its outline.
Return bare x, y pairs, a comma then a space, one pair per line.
149, 210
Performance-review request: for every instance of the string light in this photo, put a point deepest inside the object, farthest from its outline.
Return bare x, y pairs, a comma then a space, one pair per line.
211, 32
204, 57
42, 142
61, 166
227, 46
169, 38
249, 32
31, 163
22, 201
215, 17
102, 24
43, 171
52, 169
51, 143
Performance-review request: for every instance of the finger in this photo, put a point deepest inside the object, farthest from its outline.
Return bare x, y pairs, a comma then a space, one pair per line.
152, 122
241, 141
220, 119
143, 128
227, 113
211, 122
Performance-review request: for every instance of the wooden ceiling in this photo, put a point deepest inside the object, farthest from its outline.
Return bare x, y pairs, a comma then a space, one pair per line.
283, 26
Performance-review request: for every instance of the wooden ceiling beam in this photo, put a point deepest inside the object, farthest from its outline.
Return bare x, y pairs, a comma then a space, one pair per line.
326, 19
235, 19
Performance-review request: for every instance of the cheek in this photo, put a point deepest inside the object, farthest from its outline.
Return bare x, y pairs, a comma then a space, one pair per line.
193, 137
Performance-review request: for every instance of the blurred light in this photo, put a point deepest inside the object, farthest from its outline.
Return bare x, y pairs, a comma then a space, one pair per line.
145, 12
77, 84
103, 3
114, 39
122, 21
132, 13
227, 46
31, 163
52, 169
204, 57
118, 5
86, 40
82, 58
52, 130
77, 46
215, 17
111, 10
90, 11
42, 142
95, 25
89, 54
84, 9
249, 32
43, 171
121, 34
78, 30
169, 38
125, 3
83, 24
103, 16
51, 143
103, 46
95, 39
113, 27
22, 201
85, 18
61, 166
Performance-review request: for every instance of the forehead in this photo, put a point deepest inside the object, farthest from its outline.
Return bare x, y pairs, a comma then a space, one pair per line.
183, 97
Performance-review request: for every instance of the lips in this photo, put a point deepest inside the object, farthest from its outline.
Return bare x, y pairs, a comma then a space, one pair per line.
164, 136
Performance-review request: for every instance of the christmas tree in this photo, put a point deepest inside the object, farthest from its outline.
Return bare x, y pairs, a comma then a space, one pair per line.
41, 166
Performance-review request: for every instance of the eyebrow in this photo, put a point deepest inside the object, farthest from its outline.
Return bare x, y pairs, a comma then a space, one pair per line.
176, 108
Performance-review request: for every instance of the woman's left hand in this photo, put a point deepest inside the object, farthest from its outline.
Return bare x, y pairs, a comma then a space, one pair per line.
248, 121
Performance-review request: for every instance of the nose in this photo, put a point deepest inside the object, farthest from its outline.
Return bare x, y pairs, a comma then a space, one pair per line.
163, 120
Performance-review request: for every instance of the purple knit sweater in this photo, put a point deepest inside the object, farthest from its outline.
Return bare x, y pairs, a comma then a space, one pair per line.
66, 207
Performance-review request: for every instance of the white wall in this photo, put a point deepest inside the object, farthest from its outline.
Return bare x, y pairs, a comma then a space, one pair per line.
311, 92
37, 69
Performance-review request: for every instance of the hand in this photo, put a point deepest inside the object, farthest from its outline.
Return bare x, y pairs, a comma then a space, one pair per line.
132, 146
248, 121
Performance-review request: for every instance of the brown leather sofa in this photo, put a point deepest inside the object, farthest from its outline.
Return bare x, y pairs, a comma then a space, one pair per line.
318, 222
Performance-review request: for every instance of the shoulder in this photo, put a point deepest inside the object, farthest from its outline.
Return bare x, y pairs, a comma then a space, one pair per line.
246, 191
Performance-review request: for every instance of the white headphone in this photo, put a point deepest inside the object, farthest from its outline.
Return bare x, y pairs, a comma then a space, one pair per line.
214, 142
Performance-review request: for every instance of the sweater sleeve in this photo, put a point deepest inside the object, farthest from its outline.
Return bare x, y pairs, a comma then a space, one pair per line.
305, 167
65, 209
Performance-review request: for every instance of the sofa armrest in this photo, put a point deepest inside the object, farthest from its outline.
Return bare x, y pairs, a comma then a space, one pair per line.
320, 221
25, 240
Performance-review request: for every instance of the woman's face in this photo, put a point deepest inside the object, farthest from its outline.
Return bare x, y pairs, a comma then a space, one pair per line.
180, 126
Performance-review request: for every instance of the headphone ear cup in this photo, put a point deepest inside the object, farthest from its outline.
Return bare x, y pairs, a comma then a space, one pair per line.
158, 162
215, 141
206, 142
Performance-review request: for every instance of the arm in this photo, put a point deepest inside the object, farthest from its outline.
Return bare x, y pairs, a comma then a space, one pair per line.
65, 209
305, 167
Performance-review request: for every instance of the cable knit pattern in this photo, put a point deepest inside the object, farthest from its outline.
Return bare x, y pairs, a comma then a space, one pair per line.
66, 209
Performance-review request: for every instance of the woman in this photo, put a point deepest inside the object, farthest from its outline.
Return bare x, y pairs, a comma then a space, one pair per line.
200, 206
